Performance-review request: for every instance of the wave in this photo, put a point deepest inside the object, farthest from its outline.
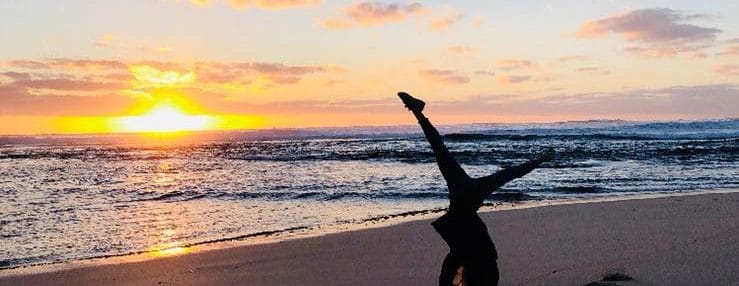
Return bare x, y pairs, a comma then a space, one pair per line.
181, 196
532, 137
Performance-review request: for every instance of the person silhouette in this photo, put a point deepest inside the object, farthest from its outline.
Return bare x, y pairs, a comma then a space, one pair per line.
472, 258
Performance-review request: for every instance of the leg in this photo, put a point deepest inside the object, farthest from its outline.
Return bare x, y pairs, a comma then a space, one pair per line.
488, 184
458, 182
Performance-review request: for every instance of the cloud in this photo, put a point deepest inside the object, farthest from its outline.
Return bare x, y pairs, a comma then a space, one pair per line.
202, 2
334, 82
67, 64
444, 21
443, 76
478, 21
592, 70
67, 84
727, 70
572, 58
378, 13
513, 79
16, 75
731, 48
657, 32
460, 49
515, 64
678, 102
263, 4
17, 101
64, 81
336, 24
106, 40
484, 73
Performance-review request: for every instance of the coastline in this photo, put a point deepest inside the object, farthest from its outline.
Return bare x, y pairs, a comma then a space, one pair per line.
286, 243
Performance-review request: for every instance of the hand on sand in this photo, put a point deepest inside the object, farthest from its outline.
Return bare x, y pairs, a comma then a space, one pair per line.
548, 155
412, 103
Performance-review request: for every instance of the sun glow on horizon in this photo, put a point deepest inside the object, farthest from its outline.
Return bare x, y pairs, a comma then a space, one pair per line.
163, 118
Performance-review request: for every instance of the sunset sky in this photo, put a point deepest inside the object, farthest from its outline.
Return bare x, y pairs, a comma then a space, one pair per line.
159, 65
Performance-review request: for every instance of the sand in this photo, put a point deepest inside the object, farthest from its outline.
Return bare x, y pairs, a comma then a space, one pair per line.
679, 240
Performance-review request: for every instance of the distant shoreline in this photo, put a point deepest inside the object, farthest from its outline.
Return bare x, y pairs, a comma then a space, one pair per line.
384, 126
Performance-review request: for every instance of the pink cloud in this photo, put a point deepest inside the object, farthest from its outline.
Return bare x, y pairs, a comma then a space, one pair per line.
727, 70
657, 32
443, 76
16, 75
515, 64
68, 84
263, 4
592, 70
484, 73
572, 58
731, 48
378, 13
513, 79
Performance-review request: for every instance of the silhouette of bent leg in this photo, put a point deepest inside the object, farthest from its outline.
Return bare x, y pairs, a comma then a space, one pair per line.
488, 184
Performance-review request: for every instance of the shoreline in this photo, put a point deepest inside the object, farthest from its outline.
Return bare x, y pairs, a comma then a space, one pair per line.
300, 233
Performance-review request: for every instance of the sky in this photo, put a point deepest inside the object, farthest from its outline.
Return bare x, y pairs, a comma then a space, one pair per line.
168, 65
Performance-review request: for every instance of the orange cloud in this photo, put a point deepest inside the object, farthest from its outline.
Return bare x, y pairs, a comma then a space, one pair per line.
106, 40
146, 75
26, 83
336, 24
444, 21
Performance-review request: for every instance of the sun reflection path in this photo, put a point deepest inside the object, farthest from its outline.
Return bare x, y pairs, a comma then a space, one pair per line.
168, 251
166, 247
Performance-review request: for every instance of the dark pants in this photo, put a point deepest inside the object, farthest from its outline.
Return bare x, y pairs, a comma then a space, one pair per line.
465, 233
480, 272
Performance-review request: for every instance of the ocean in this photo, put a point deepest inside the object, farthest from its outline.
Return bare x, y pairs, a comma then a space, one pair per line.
72, 197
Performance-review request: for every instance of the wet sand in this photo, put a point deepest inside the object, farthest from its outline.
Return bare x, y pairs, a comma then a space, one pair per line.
679, 240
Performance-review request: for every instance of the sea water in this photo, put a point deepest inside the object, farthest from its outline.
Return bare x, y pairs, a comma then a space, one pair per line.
65, 198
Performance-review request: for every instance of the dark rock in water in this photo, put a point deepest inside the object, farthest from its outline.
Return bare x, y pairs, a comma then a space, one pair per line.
615, 276
608, 279
601, 283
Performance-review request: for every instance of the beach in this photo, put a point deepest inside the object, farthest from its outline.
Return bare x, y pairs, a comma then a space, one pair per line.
675, 240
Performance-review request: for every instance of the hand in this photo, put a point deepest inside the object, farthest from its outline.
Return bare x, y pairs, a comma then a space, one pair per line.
548, 155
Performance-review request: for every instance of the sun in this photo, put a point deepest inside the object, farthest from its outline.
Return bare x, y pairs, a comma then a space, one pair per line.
163, 118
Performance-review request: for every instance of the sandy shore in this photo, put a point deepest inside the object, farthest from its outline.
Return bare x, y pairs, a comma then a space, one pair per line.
682, 240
